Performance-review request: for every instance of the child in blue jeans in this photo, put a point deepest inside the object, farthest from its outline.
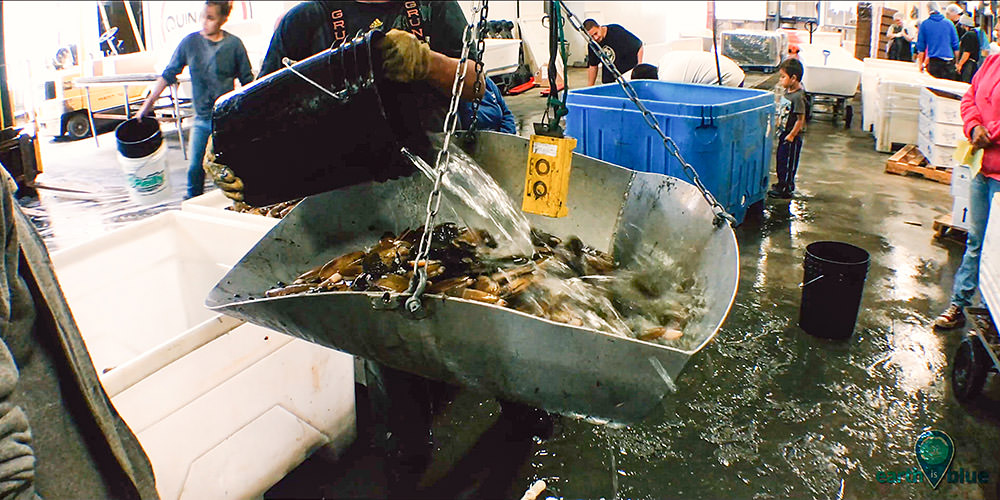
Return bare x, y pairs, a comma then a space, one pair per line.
791, 126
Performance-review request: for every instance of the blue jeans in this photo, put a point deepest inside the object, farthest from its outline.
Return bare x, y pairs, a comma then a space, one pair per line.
787, 162
981, 191
199, 140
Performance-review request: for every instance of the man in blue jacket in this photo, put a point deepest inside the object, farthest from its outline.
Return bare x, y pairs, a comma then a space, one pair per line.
937, 45
493, 112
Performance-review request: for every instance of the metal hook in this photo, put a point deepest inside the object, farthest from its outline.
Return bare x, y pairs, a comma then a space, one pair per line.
344, 47
359, 79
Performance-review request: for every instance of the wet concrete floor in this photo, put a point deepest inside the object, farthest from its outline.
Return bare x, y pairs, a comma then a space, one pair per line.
764, 411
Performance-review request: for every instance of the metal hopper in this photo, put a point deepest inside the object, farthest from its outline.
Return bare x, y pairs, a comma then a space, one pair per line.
560, 368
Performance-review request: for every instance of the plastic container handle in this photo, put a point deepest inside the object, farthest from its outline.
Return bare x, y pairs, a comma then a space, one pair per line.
803, 285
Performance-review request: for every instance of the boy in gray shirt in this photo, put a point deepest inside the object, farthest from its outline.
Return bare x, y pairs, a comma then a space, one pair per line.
216, 58
791, 125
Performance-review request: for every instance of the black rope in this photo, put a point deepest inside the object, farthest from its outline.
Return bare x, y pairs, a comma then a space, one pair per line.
553, 49
715, 44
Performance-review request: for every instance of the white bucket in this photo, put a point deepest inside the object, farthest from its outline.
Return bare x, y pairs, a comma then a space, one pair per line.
147, 178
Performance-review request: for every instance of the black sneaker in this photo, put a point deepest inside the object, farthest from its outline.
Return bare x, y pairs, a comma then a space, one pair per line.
780, 193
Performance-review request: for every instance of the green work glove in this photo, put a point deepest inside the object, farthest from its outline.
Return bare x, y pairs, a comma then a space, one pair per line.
405, 58
222, 175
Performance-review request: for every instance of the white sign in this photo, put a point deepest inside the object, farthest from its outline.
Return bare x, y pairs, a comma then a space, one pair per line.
541, 148
169, 22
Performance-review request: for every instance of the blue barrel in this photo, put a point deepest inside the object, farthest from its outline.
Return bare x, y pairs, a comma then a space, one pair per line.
725, 133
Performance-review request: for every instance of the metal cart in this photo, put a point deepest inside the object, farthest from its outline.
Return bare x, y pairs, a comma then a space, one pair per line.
976, 356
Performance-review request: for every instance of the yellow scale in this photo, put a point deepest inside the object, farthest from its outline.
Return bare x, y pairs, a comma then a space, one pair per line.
546, 182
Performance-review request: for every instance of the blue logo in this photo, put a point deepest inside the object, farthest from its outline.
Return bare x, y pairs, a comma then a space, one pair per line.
148, 184
934, 450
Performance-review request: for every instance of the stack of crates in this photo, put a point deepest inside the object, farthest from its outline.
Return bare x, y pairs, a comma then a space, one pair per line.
939, 129
755, 49
725, 133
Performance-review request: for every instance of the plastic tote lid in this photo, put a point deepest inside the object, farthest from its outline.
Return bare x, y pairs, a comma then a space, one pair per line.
138, 139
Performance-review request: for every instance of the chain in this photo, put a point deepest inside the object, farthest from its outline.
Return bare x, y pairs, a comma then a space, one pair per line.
419, 281
480, 50
721, 215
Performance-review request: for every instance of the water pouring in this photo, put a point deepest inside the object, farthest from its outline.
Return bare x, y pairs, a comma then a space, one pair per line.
613, 210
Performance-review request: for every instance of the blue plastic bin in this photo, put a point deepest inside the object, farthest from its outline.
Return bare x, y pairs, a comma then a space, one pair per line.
725, 133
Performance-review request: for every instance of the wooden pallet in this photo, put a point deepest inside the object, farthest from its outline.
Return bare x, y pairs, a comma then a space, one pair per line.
945, 230
909, 161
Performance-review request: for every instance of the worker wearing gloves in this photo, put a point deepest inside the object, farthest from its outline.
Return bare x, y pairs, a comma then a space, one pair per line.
429, 64
421, 47
59, 435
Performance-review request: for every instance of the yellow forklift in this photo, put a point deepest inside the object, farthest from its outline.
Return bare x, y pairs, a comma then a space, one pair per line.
62, 110
19, 152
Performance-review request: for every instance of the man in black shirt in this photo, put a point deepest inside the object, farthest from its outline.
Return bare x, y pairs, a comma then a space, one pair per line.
620, 46
312, 27
401, 402
968, 49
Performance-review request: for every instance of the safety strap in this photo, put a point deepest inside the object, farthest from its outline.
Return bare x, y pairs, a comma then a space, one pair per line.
410, 12
414, 19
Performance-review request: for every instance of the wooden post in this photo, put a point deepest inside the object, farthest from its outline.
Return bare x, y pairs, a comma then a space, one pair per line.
135, 27
107, 26
7, 111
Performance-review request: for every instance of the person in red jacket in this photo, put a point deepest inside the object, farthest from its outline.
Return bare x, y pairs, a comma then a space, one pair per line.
981, 122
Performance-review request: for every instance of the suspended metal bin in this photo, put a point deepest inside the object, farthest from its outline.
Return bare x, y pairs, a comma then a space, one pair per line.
512, 355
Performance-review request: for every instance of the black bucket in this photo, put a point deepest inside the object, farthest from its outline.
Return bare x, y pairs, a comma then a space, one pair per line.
286, 138
138, 139
832, 286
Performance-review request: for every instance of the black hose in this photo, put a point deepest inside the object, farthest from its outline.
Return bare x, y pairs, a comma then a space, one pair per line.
554, 17
715, 44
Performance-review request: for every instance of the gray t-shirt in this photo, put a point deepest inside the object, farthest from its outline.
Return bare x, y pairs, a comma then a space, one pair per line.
790, 106
214, 66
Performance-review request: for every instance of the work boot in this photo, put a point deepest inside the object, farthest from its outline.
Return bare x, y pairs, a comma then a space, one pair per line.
950, 319
783, 194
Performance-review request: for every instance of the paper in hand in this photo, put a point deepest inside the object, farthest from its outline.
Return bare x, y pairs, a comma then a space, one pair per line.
969, 155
